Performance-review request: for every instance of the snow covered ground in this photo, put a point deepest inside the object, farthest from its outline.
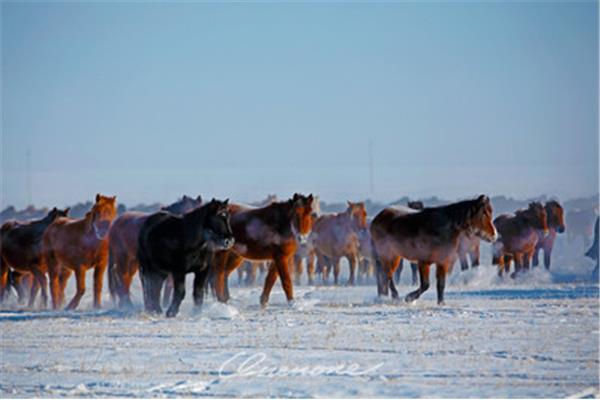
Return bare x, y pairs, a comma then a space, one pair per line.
494, 338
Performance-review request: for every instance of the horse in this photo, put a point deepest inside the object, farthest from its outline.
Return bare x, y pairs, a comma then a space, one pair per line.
556, 224
306, 251
413, 205
336, 236
519, 234
429, 237
20, 251
76, 245
366, 258
268, 233
122, 244
169, 244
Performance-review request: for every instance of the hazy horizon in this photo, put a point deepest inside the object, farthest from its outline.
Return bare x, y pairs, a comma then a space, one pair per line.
152, 101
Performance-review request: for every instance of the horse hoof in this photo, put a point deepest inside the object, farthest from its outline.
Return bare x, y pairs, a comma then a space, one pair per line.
171, 313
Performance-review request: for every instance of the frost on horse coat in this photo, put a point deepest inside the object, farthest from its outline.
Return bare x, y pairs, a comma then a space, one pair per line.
427, 237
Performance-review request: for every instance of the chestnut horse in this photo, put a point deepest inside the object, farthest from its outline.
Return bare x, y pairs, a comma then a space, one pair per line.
174, 245
77, 245
20, 250
519, 235
337, 236
429, 236
556, 224
270, 233
123, 242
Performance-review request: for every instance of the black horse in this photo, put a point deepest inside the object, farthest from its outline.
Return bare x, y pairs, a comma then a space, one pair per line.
178, 245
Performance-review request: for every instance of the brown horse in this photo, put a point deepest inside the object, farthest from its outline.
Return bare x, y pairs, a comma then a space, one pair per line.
123, 243
77, 245
519, 234
429, 236
337, 236
414, 267
556, 224
269, 233
20, 250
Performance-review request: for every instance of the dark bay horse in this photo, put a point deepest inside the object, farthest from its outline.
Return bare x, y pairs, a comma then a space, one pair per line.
76, 245
123, 242
414, 267
428, 237
337, 236
179, 245
519, 235
20, 250
556, 224
268, 233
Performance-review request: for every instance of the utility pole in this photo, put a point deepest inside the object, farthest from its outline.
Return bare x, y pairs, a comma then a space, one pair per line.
371, 183
28, 172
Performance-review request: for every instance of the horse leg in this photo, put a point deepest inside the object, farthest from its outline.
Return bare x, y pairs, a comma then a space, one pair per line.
324, 267
39, 281
200, 279
535, 258
415, 270
298, 270
310, 268
80, 277
178, 294
4, 272
547, 255
269, 282
54, 273
168, 290
518, 260
527, 260
464, 263
424, 277
336, 269
282, 265
99, 270
398, 272
124, 285
63, 279
393, 266
233, 262
152, 283
474, 254
218, 276
440, 277
240, 274
251, 272
352, 260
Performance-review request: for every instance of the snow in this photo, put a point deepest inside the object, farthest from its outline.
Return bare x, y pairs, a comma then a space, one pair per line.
495, 337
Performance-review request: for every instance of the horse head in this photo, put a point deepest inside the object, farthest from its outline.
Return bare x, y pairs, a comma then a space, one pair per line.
555, 216
480, 219
535, 214
302, 216
217, 228
358, 214
57, 213
102, 214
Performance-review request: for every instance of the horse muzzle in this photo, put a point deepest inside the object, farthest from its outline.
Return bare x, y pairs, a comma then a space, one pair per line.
303, 238
227, 243
101, 231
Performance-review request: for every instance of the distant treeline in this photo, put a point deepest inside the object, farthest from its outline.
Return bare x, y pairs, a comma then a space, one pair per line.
501, 205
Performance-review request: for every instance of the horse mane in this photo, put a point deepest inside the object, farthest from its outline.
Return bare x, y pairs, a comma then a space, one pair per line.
458, 213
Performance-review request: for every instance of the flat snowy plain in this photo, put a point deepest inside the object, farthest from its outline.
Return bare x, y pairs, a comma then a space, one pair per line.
537, 337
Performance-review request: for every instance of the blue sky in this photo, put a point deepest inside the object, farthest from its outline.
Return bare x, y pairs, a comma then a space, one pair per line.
149, 101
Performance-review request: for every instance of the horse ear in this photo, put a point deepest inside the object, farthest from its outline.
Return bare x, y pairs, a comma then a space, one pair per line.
67, 210
97, 197
199, 199
349, 203
225, 202
114, 198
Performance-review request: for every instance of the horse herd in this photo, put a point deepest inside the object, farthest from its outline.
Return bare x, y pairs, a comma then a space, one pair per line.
213, 239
